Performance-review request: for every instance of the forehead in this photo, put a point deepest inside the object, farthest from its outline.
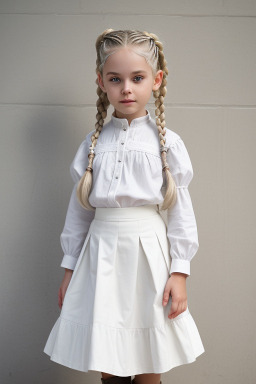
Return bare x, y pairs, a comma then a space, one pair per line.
125, 60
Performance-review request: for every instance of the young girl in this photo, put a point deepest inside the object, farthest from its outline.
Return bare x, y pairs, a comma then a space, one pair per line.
123, 298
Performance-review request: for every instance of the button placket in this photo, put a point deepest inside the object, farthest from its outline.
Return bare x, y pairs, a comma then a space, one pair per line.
119, 164
120, 152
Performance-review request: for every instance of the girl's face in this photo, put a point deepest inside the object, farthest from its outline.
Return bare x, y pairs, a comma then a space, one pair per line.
127, 76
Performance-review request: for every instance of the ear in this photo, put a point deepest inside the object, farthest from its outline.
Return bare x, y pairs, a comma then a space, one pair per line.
100, 82
158, 80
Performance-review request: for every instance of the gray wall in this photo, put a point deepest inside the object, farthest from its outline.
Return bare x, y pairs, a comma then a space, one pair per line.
47, 105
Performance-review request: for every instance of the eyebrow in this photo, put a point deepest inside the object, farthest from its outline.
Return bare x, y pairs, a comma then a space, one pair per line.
134, 72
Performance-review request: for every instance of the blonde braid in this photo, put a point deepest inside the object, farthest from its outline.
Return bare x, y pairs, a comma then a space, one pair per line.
171, 191
85, 184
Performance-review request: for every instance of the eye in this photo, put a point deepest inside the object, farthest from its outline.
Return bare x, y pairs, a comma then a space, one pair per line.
138, 78
113, 79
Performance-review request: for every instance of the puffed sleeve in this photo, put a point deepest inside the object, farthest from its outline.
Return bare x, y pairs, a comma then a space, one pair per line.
181, 222
78, 219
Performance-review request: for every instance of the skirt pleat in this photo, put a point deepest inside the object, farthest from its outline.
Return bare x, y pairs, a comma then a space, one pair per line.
112, 318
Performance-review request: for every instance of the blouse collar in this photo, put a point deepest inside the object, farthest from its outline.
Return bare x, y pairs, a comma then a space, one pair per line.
117, 122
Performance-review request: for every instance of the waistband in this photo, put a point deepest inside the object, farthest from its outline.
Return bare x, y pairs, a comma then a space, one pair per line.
128, 213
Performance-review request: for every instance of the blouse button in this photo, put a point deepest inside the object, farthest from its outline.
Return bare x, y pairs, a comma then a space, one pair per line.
116, 177
124, 129
119, 161
122, 143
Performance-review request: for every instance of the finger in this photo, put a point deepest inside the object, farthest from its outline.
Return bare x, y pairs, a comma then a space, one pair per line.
166, 297
173, 314
184, 307
173, 308
181, 308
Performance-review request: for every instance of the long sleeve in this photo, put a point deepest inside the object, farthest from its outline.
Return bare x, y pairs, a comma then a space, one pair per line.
78, 219
182, 227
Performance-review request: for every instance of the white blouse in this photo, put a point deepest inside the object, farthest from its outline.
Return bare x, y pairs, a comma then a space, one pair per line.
127, 172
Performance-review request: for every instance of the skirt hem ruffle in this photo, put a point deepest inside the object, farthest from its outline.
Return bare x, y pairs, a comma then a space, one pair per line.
137, 351
117, 372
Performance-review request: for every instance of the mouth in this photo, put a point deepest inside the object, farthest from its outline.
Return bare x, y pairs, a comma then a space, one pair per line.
127, 101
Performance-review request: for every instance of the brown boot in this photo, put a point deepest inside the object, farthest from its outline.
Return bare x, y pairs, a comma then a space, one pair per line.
117, 380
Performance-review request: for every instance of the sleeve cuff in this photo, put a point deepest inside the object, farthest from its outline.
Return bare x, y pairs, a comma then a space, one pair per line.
68, 262
179, 265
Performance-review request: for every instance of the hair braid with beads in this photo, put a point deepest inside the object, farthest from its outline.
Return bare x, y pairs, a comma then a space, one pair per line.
147, 45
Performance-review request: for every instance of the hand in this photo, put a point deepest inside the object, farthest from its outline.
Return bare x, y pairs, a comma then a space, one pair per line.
64, 286
176, 287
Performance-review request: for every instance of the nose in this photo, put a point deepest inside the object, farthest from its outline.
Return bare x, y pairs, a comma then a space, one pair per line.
126, 87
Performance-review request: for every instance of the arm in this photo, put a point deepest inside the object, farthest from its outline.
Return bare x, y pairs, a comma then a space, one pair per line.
77, 223
182, 228
78, 219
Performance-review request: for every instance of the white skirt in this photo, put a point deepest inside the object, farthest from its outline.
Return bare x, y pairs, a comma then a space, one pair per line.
112, 318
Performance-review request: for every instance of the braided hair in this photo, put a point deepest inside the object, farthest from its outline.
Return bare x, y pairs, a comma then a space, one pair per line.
147, 45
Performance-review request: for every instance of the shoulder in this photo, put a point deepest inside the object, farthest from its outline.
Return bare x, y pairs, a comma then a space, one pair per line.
84, 145
178, 158
88, 136
172, 138
80, 160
